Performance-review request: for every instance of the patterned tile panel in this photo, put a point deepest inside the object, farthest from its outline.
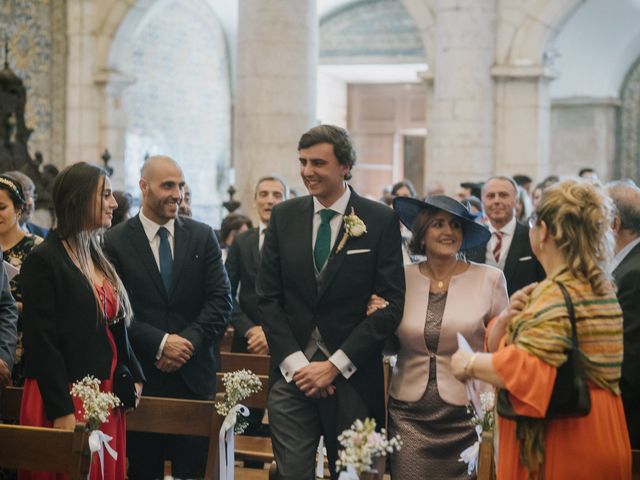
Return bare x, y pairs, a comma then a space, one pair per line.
628, 139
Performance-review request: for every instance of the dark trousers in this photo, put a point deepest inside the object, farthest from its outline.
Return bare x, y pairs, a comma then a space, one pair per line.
632, 414
148, 451
297, 422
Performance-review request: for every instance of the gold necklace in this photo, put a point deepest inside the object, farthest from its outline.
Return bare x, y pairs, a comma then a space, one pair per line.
440, 282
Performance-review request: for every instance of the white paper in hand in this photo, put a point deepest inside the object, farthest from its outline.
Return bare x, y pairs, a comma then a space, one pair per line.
474, 387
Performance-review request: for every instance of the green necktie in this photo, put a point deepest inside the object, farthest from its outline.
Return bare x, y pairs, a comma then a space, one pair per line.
323, 238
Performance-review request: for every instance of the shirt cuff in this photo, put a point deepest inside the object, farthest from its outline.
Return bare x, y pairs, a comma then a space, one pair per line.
292, 364
161, 348
342, 363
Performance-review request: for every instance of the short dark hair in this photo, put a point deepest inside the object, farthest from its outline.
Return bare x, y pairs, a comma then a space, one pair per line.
585, 170
419, 228
233, 221
272, 178
124, 200
403, 183
522, 179
336, 136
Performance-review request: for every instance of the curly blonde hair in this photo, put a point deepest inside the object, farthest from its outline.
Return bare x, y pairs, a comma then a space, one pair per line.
579, 216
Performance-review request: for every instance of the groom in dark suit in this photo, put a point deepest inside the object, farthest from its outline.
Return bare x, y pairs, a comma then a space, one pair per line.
626, 272
172, 269
319, 268
508, 248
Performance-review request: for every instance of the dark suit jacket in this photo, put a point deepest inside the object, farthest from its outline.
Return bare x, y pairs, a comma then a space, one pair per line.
291, 302
197, 307
627, 277
64, 335
521, 266
242, 265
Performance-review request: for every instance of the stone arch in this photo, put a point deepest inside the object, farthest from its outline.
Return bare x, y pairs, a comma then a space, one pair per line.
126, 23
423, 15
627, 162
524, 33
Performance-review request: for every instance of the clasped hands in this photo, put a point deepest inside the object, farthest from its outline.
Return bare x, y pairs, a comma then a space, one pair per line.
176, 352
315, 380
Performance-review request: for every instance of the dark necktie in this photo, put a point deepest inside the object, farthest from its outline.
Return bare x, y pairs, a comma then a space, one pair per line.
166, 261
323, 238
497, 249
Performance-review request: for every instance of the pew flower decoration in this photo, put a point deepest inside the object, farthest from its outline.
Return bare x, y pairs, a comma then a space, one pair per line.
353, 227
484, 422
238, 385
361, 446
97, 405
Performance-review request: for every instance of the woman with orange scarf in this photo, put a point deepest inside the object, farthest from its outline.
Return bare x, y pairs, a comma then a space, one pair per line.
571, 236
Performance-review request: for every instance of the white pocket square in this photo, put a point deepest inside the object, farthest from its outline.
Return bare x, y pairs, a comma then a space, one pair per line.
361, 250
524, 259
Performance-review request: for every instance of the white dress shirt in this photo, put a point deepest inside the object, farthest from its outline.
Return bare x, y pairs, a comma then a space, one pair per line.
297, 360
151, 231
507, 236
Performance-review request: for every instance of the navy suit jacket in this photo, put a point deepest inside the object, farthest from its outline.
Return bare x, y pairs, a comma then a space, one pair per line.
292, 303
521, 266
197, 307
242, 266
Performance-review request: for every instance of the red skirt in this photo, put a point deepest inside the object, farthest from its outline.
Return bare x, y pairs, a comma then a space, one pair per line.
32, 414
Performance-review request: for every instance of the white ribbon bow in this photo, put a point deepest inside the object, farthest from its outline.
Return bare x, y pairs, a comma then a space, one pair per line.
349, 474
470, 454
98, 441
225, 441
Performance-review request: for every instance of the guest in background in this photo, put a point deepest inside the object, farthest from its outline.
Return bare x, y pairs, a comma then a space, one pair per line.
508, 247
16, 245
571, 235
626, 272
30, 197
403, 188
8, 330
123, 211
185, 205
523, 205
75, 311
444, 295
524, 181
232, 225
590, 174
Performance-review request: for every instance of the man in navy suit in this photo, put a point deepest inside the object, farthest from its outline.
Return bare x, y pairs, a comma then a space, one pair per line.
626, 272
508, 248
172, 269
313, 285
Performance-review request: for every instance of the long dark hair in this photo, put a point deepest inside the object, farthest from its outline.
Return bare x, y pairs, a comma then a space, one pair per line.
74, 199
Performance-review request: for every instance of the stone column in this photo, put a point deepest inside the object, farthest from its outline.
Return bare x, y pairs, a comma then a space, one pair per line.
275, 89
523, 120
83, 98
460, 140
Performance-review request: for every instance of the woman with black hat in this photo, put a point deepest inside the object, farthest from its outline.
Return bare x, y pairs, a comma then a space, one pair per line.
444, 295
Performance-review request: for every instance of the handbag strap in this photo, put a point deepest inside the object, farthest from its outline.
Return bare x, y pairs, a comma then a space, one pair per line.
572, 314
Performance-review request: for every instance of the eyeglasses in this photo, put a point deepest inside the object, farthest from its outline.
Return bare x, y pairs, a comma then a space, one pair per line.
533, 220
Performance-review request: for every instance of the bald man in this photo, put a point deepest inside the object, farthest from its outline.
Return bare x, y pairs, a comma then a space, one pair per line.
172, 269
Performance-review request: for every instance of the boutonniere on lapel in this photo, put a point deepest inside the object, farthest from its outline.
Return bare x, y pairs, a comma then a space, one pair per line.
353, 227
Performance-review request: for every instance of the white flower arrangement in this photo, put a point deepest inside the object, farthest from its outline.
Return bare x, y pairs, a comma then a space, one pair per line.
484, 422
97, 405
238, 385
353, 227
362, 444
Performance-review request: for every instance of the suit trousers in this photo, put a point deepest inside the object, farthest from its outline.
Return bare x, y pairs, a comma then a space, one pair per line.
148, 451
297, 422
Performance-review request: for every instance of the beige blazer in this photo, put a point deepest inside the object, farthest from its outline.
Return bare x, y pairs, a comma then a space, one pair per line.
475, 297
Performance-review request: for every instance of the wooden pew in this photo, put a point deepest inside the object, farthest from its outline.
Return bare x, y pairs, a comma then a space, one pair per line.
635, 464
258, 364
180, 417
46, 449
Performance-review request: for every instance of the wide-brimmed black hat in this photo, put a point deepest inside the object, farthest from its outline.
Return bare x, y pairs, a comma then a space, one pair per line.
473, 234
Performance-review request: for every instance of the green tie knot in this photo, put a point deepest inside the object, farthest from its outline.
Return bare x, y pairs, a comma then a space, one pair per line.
323, 238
